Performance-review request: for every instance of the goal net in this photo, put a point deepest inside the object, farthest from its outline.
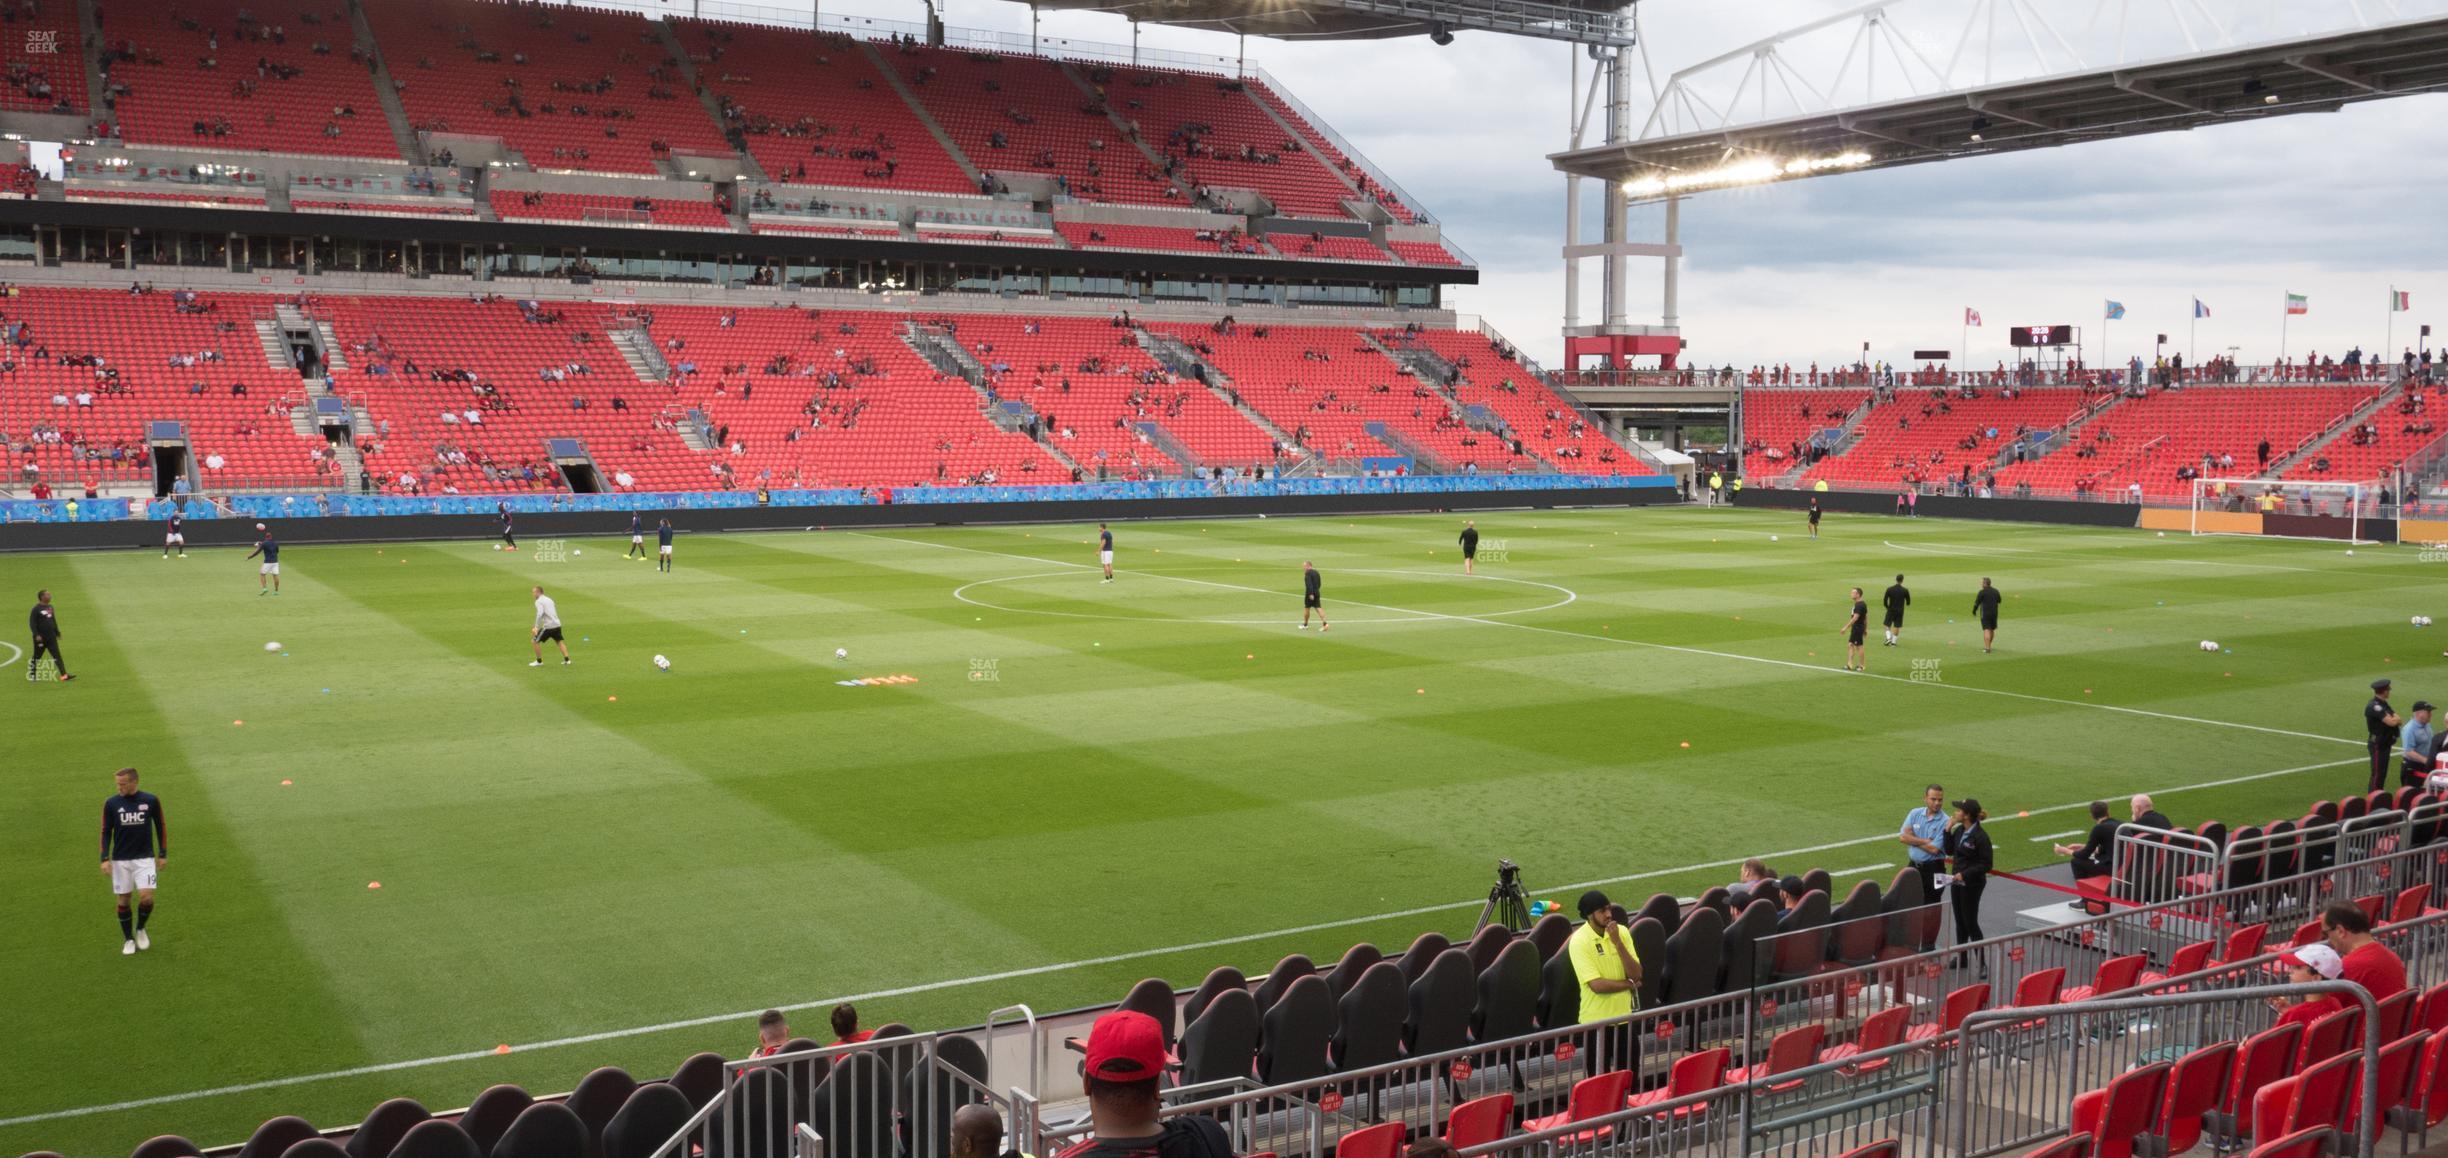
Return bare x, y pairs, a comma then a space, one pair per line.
2287, 509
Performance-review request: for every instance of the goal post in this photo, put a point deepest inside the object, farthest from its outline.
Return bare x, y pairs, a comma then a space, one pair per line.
2285, 509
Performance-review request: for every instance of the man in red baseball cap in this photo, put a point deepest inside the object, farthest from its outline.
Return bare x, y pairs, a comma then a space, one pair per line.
1126, 1061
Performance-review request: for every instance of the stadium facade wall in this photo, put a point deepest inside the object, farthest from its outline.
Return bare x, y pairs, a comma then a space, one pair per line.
235, 532
1949, 507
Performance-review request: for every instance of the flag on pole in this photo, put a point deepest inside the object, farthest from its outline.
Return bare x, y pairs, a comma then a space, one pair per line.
1971, 316
2298, 304
2200, 310
2400, 301
2116, 310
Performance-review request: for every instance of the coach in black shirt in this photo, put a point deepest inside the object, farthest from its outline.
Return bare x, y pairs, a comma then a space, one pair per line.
1968, 851
44, 626
2381, 723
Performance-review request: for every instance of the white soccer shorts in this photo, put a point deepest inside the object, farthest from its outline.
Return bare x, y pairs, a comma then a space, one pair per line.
269, 569
180, 540
1105, 557
637, 540
667, 548
128, 876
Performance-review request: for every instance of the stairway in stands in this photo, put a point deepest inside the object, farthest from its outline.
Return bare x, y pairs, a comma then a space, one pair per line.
944, 352
1185, 362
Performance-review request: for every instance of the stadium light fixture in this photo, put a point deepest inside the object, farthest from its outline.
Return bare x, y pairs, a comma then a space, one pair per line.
1757, 171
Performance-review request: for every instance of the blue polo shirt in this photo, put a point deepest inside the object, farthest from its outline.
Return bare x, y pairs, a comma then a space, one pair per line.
1929, 826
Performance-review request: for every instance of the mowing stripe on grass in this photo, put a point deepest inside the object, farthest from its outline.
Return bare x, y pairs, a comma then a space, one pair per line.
1809, 667
1042, 970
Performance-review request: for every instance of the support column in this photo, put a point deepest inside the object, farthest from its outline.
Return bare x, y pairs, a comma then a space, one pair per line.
1674, 260
1572, 203
1618, 209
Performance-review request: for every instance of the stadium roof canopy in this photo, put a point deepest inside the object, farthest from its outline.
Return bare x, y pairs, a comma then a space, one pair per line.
1604, 22
1692, 144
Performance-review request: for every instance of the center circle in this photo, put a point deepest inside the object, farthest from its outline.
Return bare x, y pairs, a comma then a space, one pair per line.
1239, 602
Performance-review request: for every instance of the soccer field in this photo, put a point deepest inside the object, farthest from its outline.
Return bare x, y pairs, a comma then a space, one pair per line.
1084, 784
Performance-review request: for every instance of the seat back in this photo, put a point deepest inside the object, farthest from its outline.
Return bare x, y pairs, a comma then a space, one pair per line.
1795, 1048
599, 1096
1801, 942
2409, 903
166, 1146
2319, 1094
1485, 944
1882, 1029
1698, 1073
1438, 1018
1356, 961
853, 1109
2134, 1099
1662, 908
2399, 1062
1369, 1020
1422, 953
2432, 1013
2429, 1091
1717, 897
2265, 1057
1648, 939
2194, 1087
1560, 993
1860, 934
2244, 943
1153, 996
1384, 1140
1223, 1042
435, 1138
1550, 933
2329, 1036
1819, 881
1297, 1029
383, 1128
544, 1130
2039, 988
1960, 1004
1219, 980
651, 1117
1287, 971
2245, 867
1692, 958
1904, 896
700, 1077
1598, 1095
277, 1135
1479, 1121
2190, 958
1507, 1004
1741, 962
2117, 974
2394, 1015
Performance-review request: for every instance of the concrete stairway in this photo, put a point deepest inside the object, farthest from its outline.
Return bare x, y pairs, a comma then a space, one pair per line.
2336, 430
1185, 362
1847, 433
706, 97
403, 135
276, 350
637, 348
892, 77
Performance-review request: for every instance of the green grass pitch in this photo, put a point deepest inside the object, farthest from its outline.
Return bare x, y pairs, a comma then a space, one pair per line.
1161, 770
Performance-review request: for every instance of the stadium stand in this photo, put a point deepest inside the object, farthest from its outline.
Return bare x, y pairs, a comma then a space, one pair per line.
879, 232
813, 110
409, 208
197, 196
1326, 247
1030, 115
1544, 420
39, 57
2397, 431
2149, 439
1779, 424
989, 237
565, 87
1217, 135
1266, 95
1934, 435
1161, 238
84, 370
285, 76
1096, 385
1423, 253
604, 209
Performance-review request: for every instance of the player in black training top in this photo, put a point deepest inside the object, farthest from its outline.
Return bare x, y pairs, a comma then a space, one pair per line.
663, 533
44, 625
1895, 600
267, 576
1310, 601
1985, 604
1470, 544
135, 843
1814, 516
509, 537
1855, 629
637, 537
176, 536
1105, 551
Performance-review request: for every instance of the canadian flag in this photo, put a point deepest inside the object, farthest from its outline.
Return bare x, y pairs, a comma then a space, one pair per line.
1971, 316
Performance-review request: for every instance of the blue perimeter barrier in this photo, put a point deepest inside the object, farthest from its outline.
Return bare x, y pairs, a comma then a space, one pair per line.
335, 504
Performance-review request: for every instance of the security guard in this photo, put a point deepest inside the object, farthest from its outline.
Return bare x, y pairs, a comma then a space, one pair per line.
2381, 723
1716, 487
1610, 976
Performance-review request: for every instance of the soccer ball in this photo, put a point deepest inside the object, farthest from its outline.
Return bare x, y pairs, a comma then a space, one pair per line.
662, 664
497, 546
2422, 621
2209, 645
1772, 538
576, 551
272, 646
2350, 550
841, 653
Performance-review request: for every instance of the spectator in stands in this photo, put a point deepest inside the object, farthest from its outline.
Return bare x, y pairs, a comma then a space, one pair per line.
2093, 858
1755, 872
846, 1029
772, 1028
1790, 892
977, 1132
2415, 740
1126, 1061
2305, 965
2148, 816
2366, 962
1610, 975
1923, 828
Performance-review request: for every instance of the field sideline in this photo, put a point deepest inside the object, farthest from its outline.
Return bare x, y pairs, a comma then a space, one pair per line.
1085, 784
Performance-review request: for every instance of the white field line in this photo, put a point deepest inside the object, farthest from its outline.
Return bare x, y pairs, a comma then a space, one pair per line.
2057, 835
1786, 663
1918, 550
743, 1016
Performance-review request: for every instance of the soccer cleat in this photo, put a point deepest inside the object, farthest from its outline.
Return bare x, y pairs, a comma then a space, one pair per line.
261, 592
65, 677
535, 663
565, 661
143, 940
127, 949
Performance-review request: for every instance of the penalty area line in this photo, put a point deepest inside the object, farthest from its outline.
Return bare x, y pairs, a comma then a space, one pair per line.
744, 1016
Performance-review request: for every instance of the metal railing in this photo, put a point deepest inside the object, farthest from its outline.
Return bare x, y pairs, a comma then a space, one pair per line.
858, 1099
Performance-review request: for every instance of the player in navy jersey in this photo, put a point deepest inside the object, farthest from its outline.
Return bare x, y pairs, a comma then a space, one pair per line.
1105, 551
176, 537
663, 534
509, 537
637, 537
135, 844
267, 576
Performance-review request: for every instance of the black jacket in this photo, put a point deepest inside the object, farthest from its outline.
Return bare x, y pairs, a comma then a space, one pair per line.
1968, 849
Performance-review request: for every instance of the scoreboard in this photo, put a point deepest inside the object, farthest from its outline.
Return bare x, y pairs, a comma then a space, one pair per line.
2026, 336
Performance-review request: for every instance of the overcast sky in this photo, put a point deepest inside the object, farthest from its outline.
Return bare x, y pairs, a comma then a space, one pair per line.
2340, 207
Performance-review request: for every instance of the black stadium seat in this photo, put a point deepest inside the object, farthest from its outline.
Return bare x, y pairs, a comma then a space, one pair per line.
756, 1123
1717, 897
1356, 961
543, 1130
1223, 1041
435, 1138
1819, 880
931, 1093
383, 1128
1550, 933
1155, 998
1664, 909
853, 1110
1286, 971
1422, 953
315, 1148
1649, 944
1438, 1016
277, 1135
652, 1116
1298, 1026
1221, 979
1559, 1002
1369, 1020
1693, 953
1486, 944
166, 1146
1859, 934
599, 1096
1740, 965
1801, 944
806, 1074
1508, 993
489, 1116
700, 1078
